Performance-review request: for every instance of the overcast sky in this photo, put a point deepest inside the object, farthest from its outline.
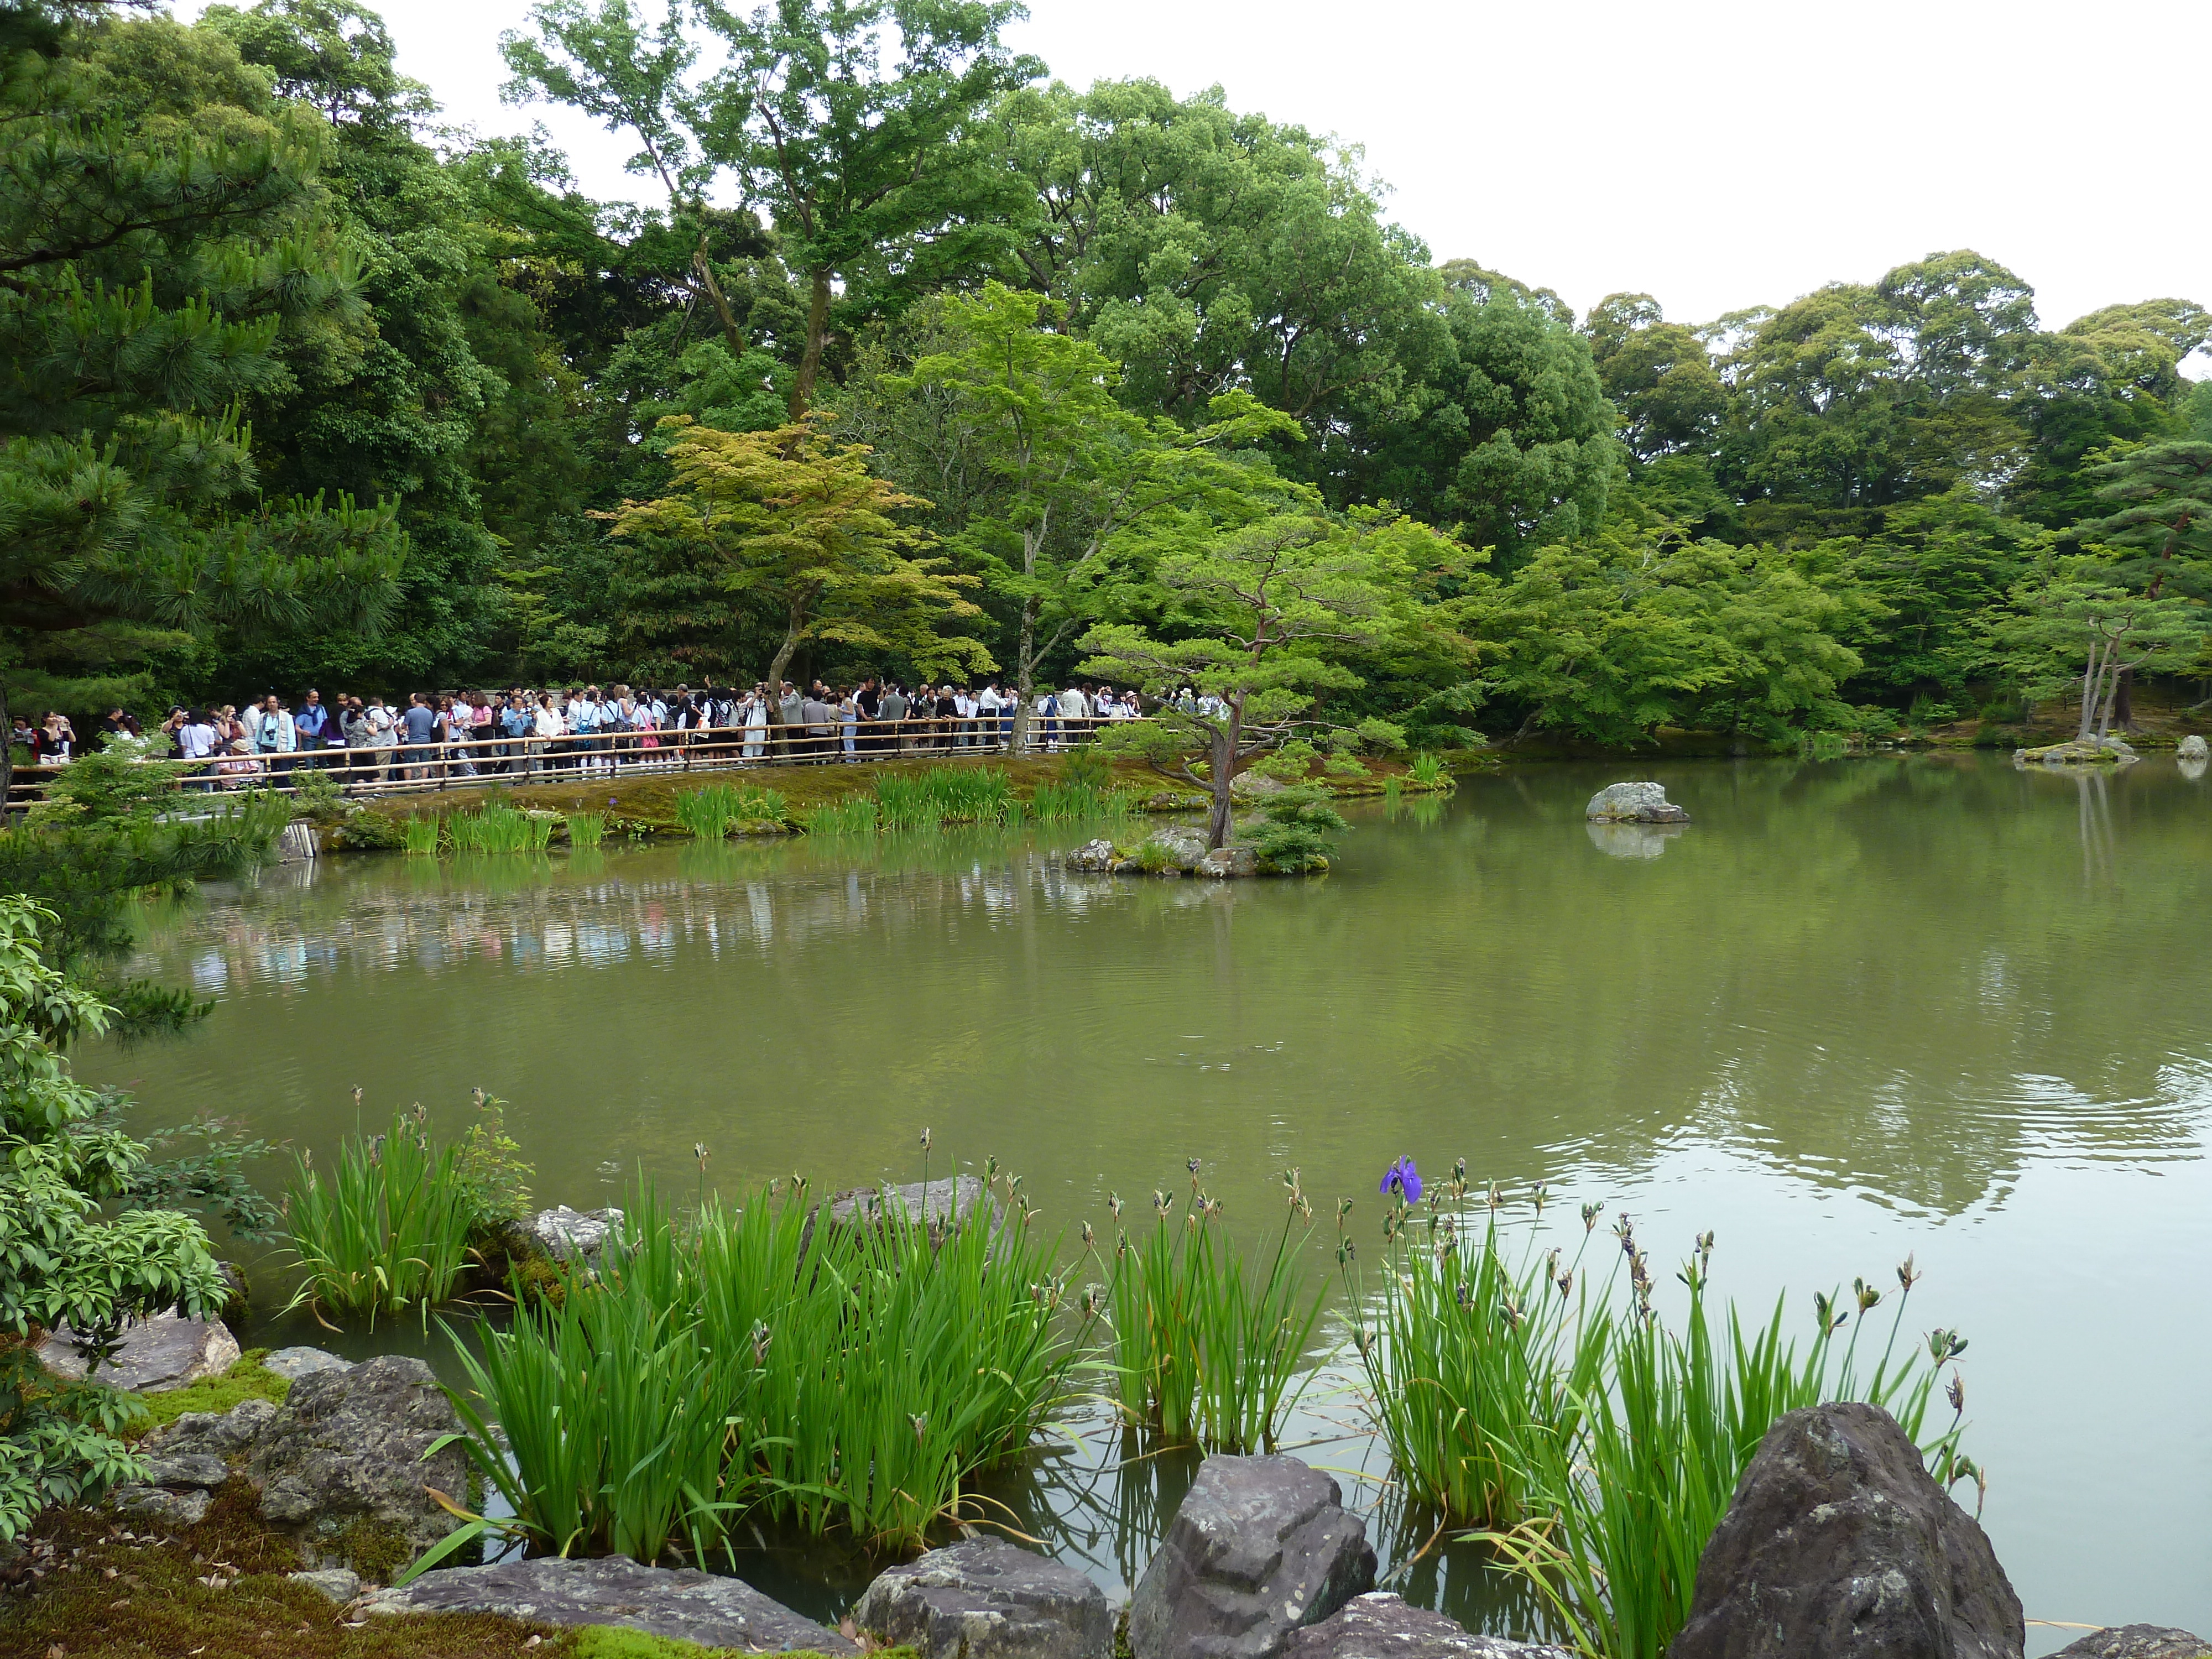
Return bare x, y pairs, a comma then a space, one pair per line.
1714, 154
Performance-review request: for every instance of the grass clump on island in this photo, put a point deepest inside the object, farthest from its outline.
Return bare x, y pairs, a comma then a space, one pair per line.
1564, 1423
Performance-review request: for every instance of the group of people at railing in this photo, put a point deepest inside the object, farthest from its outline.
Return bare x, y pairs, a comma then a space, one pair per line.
363, 739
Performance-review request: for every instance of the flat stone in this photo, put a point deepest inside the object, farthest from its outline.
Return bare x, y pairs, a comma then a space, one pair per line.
293, 1364
987, 1599
1260, 1547
164, 1351
191, 1469
214, 1434
1838, 1542
2138, 1641
175, 1509
348, 1446
683, 1604
1225, 861
949, 1199
339, 1584
1634, 803
1380, 1625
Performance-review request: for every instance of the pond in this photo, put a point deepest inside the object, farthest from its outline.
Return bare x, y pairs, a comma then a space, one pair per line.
1854, 1010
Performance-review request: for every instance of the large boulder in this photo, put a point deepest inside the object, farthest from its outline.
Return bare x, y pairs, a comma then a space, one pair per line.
187, 1459
2138, 1641
1181, 847
341, 1467
987, 1599
684, 1605
1260, 1547
1095, 857
1379, 1625
164, 1350
1634, 803
2190, 748
1227, 862
1838, 1542
564, 1235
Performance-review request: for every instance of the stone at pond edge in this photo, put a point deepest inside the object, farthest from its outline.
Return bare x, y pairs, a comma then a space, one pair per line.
1260, 1547
165, 1352
948, 1198
1379, 1624
1634, 803
1095, 857
338, 1584
293, 1364
2192, 748
347, 1448
2077, 751
684, 1605
1227, 862
987, 1599
561, 1234
1838, 1542
2137, 1642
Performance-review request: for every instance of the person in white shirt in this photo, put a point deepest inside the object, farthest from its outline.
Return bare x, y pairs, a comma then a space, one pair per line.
987, 703
964, 710
1074, 715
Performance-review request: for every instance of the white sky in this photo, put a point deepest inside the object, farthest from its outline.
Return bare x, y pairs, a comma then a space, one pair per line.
1716, 154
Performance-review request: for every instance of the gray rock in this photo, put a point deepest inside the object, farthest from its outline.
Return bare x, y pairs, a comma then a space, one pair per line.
296, 1363
164, 1351
1225, 861
156, 1503
1094, 856
1634, 803
191, 1469
566, 1235
987, 1599
2138, 1641
948, 1200
348, 1446
684, 1605
2190, 748
212, 1434
339, 1584
1260, 1546
1379, 1625
1183, 846
1838, 1542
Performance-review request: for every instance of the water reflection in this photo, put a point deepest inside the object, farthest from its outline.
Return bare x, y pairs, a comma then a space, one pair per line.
1632, 840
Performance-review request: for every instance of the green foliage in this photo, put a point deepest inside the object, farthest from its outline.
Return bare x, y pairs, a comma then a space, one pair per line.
717, 810
63, 1259
491, 1166
389, 1229
1594, 1447
1208, 1348
854, 815
1294, 835
1078, 803
245, 1379
585, 829
495, 827
1426, 769
422, 836
764, 1362
943, 795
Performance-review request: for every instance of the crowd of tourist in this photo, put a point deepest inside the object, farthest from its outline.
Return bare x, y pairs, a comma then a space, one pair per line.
526, 732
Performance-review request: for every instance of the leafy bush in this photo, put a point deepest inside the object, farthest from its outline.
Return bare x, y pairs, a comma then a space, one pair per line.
389, 1229
1426, 770
1295, 835
62, 1260
1088, 769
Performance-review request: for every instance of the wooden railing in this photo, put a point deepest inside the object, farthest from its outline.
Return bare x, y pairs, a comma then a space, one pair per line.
402, 767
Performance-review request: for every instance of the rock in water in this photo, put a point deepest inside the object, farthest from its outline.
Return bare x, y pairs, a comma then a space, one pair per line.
948, 1201
2114, 751
1378, 1625
2138, 1641
164, 1351
987, 1599
347, 1448
1183, 846
1225, 861
1260, 1546
2190, 748
1838, 1542
566, 1235
1096, 857
1634, 803
684, 1605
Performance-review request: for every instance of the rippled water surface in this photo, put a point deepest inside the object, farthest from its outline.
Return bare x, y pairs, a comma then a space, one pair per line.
1853, 1010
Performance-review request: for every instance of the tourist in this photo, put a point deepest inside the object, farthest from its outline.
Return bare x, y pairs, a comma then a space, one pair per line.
819, 717
54, 743
1074, 714
312, 729
848, 721
890, 711
420, 722
238, 764
547, 728
272, 736
196, 742
120, 723
755, 709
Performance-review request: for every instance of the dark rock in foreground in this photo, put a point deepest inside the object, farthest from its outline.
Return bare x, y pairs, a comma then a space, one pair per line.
2138, 1641
165, 1352
684, 1605
1379, 1625
1838, 1542
987, 1599
1260, 1546
1634, 803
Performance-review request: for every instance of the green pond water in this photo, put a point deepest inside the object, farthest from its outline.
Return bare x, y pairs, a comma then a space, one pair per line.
1854, 1010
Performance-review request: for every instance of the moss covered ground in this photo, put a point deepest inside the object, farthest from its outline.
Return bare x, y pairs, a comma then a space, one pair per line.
92, 1587
245, 1379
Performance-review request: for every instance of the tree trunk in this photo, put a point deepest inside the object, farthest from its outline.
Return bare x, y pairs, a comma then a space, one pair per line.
730, 332
1024, 676
780, 743
2124, 710
1223, 776
817, 328
2092, 679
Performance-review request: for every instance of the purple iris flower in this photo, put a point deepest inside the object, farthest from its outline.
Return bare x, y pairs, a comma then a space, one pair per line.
1404, 1179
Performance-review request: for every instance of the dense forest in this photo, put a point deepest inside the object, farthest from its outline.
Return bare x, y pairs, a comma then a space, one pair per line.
303, 387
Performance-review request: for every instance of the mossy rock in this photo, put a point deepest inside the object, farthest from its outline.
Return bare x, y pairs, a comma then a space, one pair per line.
245, 1379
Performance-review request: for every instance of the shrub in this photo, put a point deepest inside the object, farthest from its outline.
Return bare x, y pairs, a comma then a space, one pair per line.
1294, 837
1426, 770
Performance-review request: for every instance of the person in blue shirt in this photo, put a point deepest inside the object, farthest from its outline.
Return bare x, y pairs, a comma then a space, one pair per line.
420, 722
315, 728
